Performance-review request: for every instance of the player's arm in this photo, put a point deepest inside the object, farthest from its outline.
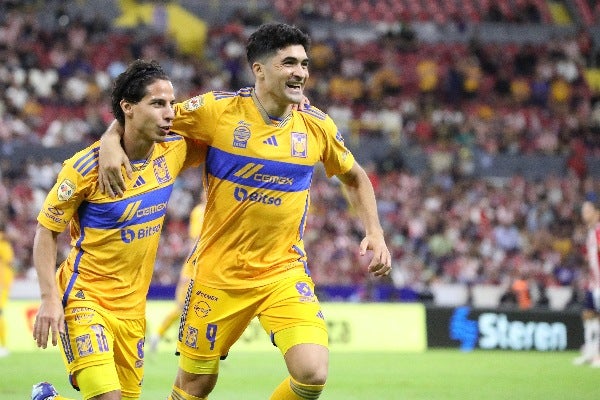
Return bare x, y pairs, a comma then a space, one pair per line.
362, 198
50, 316
110, 159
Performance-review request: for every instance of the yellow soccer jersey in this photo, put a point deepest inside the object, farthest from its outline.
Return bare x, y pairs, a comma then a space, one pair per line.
257, 178
114, 241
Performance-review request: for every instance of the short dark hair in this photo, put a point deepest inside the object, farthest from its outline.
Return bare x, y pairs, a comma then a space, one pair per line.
270, 37
131, 85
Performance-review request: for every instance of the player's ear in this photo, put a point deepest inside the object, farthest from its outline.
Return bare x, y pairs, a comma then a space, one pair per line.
126, 107
258, 69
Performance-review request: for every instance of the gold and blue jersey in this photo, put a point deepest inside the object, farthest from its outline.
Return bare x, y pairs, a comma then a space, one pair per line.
114, 240
257, 177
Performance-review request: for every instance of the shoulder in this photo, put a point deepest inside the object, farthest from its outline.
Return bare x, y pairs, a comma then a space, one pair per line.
172, 139
174, 142
84, 162
313, 112
216, 98
317, 120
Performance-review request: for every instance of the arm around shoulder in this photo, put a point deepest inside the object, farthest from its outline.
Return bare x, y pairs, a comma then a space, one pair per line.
110, 159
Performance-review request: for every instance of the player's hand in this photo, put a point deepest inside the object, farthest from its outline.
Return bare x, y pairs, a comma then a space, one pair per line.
381, 262
50, 318
304, 104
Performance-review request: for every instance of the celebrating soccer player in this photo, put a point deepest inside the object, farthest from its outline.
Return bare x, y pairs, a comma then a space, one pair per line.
250, 261
96, 302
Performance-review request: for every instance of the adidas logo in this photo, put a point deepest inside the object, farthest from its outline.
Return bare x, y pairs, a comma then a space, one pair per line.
80, 295
271, 140
139, 182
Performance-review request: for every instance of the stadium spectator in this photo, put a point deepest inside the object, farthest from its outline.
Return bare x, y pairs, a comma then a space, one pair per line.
590, 351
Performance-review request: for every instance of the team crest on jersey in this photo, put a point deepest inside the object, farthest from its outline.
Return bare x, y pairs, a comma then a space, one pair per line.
161, 171
193, 104
66, 190
299, 144
241, 134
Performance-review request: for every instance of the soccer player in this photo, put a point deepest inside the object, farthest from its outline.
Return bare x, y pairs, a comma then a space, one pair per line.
250, 261
185, 276
590, 315
7, 256
96, 301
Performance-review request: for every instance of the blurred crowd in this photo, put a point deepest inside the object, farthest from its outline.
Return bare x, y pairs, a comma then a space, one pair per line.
448, 100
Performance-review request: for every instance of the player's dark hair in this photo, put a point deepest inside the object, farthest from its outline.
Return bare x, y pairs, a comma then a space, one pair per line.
131, 85
270, 37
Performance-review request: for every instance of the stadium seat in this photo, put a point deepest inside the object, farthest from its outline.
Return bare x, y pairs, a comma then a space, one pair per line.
559, 297
486, 296
450, 294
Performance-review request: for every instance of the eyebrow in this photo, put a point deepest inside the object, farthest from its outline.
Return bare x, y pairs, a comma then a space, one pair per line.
294, 59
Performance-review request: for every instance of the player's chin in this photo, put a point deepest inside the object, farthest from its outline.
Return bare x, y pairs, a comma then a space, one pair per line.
294, 95
161, 135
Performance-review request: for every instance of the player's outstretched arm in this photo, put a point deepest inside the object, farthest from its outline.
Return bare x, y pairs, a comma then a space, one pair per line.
110, 159
50, 316
362, 198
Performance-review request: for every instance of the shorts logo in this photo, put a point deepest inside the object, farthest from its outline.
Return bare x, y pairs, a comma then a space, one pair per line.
193, 104
299, 145
140, 349
202, 309
191, 338
305, 292
84, 345
66, 190
241, 134
84, 316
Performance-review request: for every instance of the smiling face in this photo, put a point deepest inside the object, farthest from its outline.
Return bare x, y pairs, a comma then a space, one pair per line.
150, 119
280, 78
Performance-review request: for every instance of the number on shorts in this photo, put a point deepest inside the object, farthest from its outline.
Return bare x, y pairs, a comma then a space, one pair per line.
211, 334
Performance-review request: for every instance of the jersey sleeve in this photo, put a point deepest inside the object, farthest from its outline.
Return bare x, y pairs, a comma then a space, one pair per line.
196, 116
65, 197
336, 157
195, 153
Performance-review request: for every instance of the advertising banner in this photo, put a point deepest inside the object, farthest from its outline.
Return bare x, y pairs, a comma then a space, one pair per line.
494, 329
352, 327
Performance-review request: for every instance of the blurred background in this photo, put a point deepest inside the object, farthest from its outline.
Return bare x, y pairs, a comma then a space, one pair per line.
478, 122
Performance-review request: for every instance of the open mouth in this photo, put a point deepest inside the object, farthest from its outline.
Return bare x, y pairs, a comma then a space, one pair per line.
294, 85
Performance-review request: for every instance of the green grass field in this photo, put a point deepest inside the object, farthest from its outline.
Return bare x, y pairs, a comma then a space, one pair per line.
435, 374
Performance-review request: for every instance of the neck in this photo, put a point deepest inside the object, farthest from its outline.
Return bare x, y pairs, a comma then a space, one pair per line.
270, 107
137, 149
